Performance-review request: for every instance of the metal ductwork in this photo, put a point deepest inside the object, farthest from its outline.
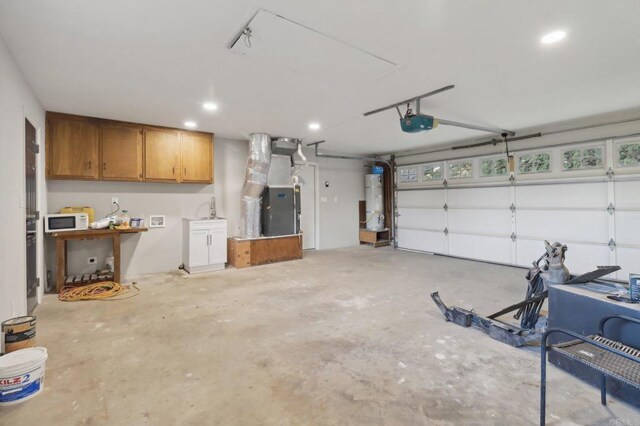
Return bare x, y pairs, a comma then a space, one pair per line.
258, 165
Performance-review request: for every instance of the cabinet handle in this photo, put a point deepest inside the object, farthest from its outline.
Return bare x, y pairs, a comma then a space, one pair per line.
173, 170
185, 171
104, 166
89, 164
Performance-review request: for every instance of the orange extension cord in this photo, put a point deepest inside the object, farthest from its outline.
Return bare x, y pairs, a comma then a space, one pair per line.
106, 291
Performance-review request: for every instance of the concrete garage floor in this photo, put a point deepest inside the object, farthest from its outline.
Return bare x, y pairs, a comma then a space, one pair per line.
341, 337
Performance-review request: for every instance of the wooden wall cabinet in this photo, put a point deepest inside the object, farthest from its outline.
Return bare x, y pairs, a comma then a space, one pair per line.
72, 148
162, 155
121, 153
92, 148
196, 158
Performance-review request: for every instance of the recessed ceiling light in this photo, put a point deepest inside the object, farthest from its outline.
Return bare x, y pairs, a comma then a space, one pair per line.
210, 106
314, 126
553, 37
190, 124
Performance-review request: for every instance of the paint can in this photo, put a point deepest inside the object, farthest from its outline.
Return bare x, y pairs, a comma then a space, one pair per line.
19, 333
634, 287
21, 375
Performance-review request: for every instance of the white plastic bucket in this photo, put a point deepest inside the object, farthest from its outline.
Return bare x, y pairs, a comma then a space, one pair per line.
21, 375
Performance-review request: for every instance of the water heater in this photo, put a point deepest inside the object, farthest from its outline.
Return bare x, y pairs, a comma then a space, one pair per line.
374, 202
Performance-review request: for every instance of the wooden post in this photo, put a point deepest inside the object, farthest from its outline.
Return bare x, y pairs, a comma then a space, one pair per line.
61, 260
116, 257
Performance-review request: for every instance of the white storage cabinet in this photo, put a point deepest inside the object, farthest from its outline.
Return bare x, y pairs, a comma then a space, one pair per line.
204, 245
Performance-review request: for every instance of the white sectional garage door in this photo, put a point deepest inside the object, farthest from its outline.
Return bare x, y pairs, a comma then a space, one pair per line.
484, 216
421, 220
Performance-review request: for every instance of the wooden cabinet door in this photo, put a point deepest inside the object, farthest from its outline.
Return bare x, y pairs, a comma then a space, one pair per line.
161, 155
196, 158
72, 148
121, 149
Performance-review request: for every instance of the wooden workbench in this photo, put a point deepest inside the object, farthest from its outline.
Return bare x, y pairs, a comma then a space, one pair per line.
89, 234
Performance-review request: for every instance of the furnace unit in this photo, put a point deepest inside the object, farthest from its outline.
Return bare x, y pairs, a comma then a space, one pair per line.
281, 210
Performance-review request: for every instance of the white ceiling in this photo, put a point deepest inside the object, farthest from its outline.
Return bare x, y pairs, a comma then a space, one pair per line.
156, 61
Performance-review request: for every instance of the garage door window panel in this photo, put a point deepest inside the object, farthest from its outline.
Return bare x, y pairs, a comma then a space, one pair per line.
408, 175
494, 167
629, 154
536, 162
582, 158
461, 170
431, 172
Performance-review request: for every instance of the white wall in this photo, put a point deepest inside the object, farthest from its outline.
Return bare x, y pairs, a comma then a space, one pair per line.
17, 101
339, 213
159, 249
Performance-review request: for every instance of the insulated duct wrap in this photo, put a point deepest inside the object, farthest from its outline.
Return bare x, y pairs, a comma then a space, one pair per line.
256, 178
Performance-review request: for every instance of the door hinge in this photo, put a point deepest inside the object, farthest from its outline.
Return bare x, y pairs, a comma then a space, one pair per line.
38, 282
612, 244
512, 208
36, 148
611, 209
36, 215
445, 207
513, 236
610, 173
446, 231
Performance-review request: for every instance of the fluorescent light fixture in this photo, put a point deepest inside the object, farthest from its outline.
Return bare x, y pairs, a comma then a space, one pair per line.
314, 126
553, 37
210, 106
190, 124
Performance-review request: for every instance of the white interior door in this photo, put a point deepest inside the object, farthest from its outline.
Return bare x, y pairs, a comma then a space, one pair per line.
307, 181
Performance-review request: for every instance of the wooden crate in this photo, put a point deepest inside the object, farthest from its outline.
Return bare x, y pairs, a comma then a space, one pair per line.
375, 238
260, 251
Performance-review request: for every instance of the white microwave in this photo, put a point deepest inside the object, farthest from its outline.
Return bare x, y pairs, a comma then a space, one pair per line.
66, 222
